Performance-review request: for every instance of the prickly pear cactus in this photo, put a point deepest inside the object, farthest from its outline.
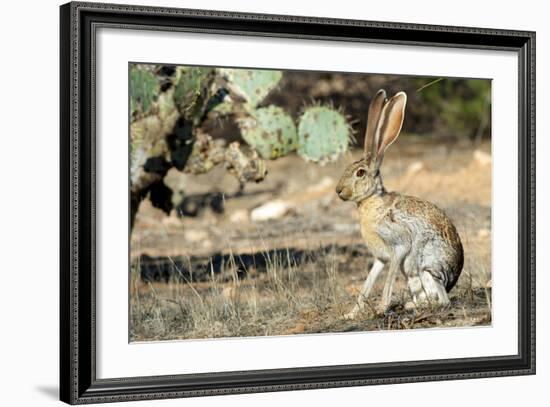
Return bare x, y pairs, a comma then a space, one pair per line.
144, 89
253, 85
323, 134
192, 91
170, 107
270, 131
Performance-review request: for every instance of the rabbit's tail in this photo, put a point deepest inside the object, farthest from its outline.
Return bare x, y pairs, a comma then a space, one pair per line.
456, 269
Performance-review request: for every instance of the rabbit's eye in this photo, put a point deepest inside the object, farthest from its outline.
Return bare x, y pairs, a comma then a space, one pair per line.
360, 173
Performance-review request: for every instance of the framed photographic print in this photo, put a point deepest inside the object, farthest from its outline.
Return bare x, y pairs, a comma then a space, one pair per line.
255, 203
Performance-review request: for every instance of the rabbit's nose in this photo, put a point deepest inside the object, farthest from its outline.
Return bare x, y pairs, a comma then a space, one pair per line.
343, 192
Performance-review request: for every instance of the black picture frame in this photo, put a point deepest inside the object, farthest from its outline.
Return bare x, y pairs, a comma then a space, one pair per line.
78, 382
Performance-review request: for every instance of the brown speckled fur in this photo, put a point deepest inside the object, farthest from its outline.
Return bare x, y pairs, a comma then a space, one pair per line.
438, 223
382, 208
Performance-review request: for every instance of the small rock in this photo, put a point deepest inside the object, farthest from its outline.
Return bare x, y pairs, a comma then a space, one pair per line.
195, 235
483, 233
482, 157
415, 167
271, 210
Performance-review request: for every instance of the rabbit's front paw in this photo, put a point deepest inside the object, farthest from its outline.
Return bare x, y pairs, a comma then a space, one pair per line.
410, 306
352, 314
381, 309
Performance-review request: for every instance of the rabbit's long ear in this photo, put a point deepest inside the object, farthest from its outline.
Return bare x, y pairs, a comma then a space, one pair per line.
375, 109
389, 125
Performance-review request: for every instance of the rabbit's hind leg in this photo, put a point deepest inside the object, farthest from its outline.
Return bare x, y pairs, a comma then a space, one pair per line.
417, 293
426, 290
434, 288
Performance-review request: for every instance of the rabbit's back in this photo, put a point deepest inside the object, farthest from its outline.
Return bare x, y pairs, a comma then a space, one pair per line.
423, 215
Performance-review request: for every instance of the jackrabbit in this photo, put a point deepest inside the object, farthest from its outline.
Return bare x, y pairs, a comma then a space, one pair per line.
409, 234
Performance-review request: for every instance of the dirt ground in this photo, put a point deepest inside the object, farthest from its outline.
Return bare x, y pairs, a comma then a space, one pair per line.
286, 255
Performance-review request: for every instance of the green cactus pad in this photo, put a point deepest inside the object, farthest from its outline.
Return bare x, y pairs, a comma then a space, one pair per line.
144, 89
323, 134
270, 131
253, 85
191, 90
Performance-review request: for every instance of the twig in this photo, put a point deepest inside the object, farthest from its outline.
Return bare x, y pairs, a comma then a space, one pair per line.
421, 318
429, 84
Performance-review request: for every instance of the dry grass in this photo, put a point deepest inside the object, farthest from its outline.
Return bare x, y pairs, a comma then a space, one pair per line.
289, 296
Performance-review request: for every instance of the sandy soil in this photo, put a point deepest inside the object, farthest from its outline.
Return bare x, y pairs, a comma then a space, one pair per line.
232, 244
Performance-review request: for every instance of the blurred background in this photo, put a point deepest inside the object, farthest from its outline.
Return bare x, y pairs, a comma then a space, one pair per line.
451, 109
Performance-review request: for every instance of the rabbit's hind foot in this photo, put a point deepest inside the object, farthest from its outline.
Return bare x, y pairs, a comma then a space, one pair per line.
426, 291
